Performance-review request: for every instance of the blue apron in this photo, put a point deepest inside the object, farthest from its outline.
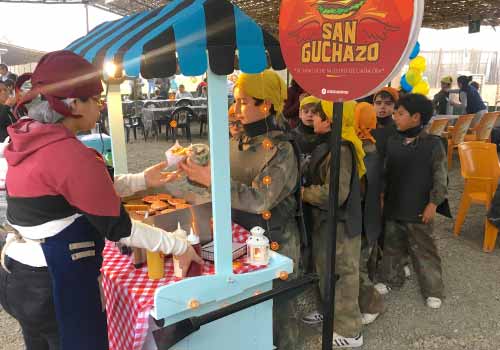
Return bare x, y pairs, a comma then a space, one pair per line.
74, 260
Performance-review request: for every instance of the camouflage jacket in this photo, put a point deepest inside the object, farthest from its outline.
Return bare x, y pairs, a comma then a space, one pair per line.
318, 195
254, 161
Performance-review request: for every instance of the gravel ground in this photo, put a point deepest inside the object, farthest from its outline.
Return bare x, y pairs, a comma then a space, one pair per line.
468, 320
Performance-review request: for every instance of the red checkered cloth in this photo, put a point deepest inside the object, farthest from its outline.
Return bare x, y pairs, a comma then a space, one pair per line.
129, 293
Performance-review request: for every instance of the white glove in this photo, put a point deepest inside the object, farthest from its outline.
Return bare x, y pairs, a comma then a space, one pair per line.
154, 239
128, 184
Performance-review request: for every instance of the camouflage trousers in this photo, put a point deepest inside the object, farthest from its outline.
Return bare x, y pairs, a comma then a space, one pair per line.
347, 320
403, 238
370, 300
286, 318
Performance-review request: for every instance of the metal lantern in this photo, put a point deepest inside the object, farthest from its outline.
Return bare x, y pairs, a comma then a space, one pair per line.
258, 247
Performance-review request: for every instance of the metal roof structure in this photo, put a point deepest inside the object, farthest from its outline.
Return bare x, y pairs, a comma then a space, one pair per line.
439, 14
15, 55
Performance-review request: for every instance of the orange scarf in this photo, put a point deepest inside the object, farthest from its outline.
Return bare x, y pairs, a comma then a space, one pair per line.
365, 120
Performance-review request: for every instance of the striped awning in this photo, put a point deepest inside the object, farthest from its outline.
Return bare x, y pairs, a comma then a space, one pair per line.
176, 38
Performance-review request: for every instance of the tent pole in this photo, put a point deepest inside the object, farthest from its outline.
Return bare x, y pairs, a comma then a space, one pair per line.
331, 244
117, 132
221, 180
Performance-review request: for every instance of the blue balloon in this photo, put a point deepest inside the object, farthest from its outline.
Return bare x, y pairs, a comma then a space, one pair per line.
416, 51
405, 85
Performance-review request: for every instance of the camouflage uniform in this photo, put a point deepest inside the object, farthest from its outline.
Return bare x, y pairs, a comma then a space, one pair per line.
347, 321
250, 163
404, 231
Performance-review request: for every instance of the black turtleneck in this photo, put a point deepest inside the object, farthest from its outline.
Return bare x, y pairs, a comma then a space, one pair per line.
259, 127
306, 129
384, 122
411, 133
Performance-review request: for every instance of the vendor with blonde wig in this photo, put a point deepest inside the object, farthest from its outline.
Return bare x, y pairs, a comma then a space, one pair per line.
264, 180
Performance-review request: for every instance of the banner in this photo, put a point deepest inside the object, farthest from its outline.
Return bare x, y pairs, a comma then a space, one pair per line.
341, 50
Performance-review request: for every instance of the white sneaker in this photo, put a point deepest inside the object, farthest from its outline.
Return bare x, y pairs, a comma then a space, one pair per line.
407, 270
382, 288
433, 303
368, 318
313, 318
343, 342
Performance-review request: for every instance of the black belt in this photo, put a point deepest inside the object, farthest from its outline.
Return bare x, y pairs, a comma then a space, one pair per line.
14, 265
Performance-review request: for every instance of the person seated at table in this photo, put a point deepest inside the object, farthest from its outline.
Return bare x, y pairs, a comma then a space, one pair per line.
470, 100
371, 302
182, 93
384, 102
62, 204
441, 100
416, 184
347, 323
264, 182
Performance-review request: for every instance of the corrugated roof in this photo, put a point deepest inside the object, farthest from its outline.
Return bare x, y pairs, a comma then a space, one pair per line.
19, 55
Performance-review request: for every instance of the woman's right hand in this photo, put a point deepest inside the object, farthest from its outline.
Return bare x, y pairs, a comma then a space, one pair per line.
187, 258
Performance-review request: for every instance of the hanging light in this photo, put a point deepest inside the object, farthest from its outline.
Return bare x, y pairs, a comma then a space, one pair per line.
267, 180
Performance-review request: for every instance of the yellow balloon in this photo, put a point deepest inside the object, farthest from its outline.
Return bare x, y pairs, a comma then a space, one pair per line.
422, 88
413, 77
418, 63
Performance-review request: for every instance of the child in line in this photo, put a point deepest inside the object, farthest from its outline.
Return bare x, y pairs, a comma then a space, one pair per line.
416, 184
347, 321
384, 102
371, 302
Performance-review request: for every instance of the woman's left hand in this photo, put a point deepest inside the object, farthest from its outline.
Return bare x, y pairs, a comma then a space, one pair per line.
154, 176
197, 173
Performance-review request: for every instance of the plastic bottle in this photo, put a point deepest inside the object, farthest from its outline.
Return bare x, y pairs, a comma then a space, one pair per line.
180, 233
194, 240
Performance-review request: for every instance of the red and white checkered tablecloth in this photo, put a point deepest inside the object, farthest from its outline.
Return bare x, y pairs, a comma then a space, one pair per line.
129, 293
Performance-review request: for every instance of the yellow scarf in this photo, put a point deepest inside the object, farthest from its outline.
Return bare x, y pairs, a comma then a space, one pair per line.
348, 131
267, 86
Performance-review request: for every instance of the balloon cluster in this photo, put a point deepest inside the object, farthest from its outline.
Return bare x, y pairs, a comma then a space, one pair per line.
413, 80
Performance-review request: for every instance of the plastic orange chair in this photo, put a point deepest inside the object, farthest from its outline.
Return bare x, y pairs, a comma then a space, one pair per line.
457, 134
481, 171
482, 131
437, 127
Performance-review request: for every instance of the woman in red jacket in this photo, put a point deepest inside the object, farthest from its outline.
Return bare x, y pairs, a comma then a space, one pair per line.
62, 202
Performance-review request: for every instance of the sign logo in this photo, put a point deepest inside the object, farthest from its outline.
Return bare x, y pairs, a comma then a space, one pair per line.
345, 49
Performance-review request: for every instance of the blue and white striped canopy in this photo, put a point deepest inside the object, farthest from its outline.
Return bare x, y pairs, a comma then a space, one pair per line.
176, 38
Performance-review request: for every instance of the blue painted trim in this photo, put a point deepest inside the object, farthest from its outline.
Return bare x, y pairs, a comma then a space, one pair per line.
90, 55
171, 301
191, 43
131, 58
221, 180
250, 43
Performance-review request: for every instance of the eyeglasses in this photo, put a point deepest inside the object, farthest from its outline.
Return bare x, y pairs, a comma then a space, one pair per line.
235, 123
98, 100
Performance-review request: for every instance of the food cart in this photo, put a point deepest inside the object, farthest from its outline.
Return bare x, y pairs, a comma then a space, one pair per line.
193, 37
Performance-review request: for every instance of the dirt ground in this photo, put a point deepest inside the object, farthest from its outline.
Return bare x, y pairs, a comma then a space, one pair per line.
468, 320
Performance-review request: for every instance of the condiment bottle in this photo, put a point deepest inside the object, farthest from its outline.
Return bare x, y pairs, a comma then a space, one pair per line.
156, 269
194, 240
180, 233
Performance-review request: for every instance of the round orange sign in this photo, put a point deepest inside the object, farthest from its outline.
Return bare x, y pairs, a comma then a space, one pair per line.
341, 50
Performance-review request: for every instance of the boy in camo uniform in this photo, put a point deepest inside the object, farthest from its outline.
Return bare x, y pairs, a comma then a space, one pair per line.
347, 322
416, 184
